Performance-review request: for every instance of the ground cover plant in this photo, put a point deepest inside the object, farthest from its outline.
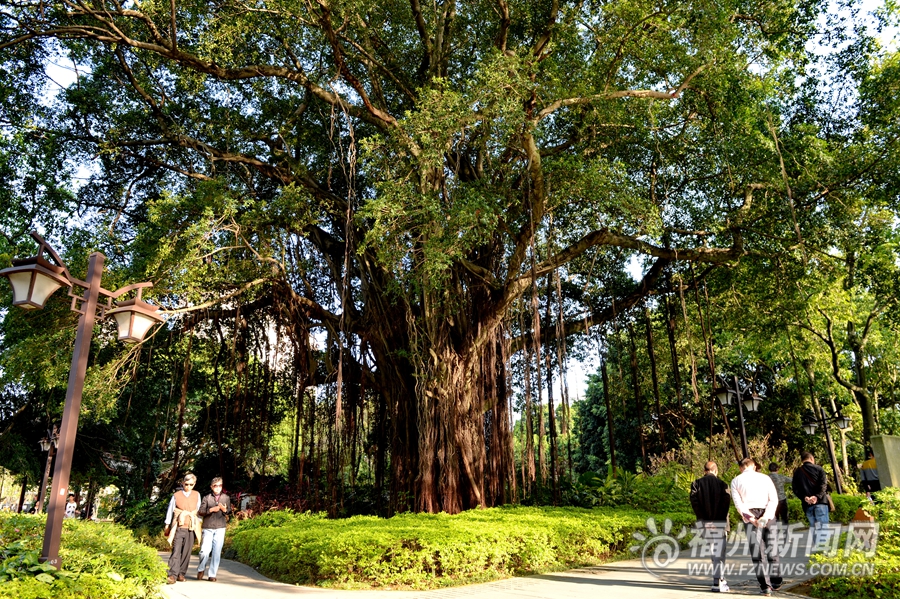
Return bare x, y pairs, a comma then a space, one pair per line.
886, 580
435, 550
100, 560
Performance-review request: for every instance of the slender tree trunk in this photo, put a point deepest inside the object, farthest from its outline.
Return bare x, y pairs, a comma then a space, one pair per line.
536, 327
22, 494
294, 474
182, 405
637, 395
860, 393
609, 415
673, 354
528, 459
653, 377
554, 454
91, 498
561, 358
239, 351
711, 363
687, 328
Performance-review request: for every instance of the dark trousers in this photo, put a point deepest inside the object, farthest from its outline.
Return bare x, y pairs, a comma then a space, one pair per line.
764, 552
181, 552
781, 512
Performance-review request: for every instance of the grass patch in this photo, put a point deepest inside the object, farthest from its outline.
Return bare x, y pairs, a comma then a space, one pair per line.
426, 551
100, 560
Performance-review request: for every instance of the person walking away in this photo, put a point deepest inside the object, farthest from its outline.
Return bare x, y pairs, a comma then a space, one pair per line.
868, 474
779, 480
182, 528
214, 509
756, 500
810, 484
710, 502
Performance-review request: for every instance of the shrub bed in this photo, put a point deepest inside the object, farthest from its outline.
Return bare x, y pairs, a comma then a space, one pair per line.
434, 550
100, 560
886, 580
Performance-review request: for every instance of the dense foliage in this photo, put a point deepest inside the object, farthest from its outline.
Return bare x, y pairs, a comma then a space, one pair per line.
429, 551
382, 230
100, 560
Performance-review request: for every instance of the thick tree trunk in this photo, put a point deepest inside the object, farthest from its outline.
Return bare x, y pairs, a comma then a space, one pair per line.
449, 414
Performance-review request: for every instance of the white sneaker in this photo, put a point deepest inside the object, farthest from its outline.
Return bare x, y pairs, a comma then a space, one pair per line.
722, 588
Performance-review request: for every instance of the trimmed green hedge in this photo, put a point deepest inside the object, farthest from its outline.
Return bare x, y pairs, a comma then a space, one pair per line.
845, 508
434, 550
100, 560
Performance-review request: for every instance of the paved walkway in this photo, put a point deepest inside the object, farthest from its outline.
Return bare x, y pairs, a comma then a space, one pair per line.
617, 580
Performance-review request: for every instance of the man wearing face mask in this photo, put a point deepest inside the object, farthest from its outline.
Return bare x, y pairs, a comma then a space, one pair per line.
182, 524
214, 508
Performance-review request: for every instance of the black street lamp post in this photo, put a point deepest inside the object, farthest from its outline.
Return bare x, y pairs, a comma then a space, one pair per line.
48, 444
727, 396
811, 423
33, 281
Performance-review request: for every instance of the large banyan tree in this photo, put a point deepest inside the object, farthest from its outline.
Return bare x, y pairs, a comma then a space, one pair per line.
409, 175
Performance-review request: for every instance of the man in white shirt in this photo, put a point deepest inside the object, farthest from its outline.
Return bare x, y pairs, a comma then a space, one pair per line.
756, 500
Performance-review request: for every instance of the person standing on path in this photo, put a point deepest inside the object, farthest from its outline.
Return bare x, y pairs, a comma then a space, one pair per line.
779, 480
710, 501
756, 500
71, 506
810, 484
868, 473
214, 509
182, 527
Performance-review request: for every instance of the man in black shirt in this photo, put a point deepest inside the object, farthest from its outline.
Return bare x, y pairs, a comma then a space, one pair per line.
810, 484
214, 509
710, 501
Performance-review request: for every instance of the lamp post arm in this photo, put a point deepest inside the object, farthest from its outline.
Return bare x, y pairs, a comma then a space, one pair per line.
43, 246
69, 427
120, 292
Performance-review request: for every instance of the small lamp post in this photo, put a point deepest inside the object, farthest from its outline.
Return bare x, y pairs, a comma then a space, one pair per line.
811, 423
48, 444
728, 396
33, 281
